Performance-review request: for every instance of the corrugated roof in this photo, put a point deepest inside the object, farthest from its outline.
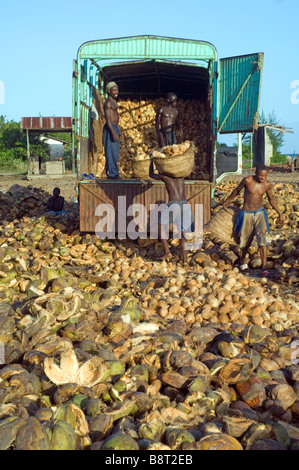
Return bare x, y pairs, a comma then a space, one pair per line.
59, 124
147, 47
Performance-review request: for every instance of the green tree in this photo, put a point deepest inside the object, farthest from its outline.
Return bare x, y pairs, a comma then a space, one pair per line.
276, 139
13, 142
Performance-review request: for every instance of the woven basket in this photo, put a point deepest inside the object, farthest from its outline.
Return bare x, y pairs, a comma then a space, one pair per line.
221, 225
177, 166
141, 169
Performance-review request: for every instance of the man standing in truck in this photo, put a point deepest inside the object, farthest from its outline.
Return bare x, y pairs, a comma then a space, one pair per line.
252, 220
111, 132
167, 120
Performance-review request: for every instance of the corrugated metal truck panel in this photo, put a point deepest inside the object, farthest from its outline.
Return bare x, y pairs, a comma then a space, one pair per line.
239, 92
92, 193
147, 46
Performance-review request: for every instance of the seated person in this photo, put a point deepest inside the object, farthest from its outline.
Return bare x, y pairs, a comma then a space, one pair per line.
55, 204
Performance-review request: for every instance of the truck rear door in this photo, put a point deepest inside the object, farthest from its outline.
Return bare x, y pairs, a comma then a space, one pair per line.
239, 83
238, 96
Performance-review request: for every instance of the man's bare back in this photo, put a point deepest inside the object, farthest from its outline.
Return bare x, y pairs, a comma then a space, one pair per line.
175, 188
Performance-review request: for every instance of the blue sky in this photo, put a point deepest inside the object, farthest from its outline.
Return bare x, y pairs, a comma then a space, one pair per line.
39, 40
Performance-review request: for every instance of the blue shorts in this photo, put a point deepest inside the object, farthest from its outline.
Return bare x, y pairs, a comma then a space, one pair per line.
178, 213
169, 137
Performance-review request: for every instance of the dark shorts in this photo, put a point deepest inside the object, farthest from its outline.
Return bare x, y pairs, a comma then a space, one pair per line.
169, 137
179, 213
254, 224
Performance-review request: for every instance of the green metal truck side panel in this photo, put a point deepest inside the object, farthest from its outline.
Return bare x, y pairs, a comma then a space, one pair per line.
238, 93
141, 47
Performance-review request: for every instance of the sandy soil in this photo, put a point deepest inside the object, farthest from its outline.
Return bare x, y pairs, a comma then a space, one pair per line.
68, 184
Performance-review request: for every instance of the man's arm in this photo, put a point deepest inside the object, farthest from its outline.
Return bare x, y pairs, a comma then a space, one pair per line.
60, 203
274, 204
153, 175
235, 192
178, 122
50, 203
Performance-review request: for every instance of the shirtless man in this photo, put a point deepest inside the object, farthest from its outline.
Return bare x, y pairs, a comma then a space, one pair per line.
167, 119
111, 131
252, 220
178, 211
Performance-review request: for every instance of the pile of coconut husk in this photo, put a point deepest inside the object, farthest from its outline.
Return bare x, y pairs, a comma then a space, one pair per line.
283, 247
105, 346
21, 201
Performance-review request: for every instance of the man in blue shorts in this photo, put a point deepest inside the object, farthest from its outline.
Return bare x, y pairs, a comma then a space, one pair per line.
252, 219
178, 212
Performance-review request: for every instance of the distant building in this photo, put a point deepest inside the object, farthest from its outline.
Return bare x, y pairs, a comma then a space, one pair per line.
54, 164
56, 147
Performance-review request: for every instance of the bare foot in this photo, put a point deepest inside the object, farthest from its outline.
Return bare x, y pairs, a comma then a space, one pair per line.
104, 173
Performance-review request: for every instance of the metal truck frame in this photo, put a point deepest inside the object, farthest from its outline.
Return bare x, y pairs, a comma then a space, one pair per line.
143, 66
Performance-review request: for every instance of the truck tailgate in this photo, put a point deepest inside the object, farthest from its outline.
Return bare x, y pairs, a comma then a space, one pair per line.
92, 193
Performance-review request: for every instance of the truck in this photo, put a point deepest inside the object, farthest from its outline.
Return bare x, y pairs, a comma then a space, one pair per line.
148, 67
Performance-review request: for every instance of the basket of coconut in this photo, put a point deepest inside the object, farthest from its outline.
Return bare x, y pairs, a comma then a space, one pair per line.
175, 160
141, 167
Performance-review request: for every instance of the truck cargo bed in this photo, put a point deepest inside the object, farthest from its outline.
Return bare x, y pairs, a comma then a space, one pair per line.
96, 192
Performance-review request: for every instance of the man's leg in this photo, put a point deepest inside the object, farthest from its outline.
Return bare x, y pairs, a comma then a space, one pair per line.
243, 255
111, 153
261, 235
246, 238
263, 253
183, 249
163, 239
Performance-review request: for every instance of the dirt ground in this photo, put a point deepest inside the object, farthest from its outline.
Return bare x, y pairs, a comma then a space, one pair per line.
68, 184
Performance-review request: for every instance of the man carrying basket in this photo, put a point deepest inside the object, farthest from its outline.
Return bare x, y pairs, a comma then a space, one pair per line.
177, 211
